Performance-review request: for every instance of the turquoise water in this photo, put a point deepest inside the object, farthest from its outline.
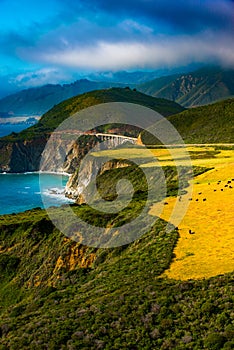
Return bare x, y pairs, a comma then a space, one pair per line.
20, 192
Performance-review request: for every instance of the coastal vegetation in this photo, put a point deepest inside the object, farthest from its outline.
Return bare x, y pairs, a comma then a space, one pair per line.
165, 290
207, 124
57, 293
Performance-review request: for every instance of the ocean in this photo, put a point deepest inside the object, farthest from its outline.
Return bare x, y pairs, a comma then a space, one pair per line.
6, 129
20, 192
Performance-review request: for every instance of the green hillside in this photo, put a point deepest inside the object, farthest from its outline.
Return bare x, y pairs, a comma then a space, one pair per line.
63, 110
198, 88
213, 123
58, 294
207, 124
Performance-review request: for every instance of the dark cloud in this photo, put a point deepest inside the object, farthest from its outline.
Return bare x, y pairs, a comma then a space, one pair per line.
12, 40
181, 15
130, 34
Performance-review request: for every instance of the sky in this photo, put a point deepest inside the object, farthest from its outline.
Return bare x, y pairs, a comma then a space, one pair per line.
55, 41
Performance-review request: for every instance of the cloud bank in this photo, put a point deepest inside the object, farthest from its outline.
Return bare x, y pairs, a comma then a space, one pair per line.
100, 35
170, 52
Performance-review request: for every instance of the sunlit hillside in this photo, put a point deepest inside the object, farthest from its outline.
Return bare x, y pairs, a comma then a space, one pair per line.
205, 247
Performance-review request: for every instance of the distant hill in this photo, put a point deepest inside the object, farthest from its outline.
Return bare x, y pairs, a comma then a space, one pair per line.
138, 77
198, 88
22, 152
37, 101
206, 124
63, 110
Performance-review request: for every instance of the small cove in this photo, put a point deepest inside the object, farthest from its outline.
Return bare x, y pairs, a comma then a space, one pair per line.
20, 192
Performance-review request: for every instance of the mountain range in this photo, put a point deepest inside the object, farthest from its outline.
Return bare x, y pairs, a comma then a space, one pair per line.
37, 101
139, 77
197, 88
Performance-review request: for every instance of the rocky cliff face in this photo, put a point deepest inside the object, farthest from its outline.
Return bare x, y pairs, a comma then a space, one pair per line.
34, 155
21, 156
59, 154
64, 155
78, 185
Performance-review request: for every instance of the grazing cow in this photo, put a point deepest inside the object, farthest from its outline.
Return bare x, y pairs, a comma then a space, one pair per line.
204, 199
191, 232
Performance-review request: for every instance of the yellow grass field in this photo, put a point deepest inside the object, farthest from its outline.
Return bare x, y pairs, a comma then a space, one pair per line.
209, 251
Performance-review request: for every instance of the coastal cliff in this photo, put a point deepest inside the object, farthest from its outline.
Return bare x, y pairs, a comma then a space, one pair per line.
22, 152
22, 155
78, 185
34, 155
65, 155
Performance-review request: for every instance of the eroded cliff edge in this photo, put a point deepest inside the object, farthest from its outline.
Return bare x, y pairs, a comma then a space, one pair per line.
33, 155
80, 184
21, 155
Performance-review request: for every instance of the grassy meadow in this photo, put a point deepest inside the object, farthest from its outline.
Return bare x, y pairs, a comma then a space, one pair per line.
208, 250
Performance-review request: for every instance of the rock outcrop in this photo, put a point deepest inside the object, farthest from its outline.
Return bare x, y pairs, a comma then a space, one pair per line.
21, 156
58, 154
36, 154
64, 155
78, 185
